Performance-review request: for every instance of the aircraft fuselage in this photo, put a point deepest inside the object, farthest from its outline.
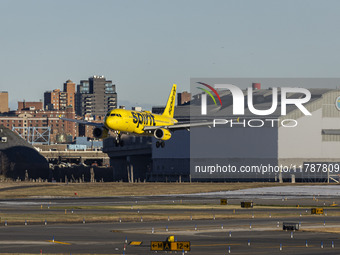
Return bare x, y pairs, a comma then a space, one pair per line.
134, 121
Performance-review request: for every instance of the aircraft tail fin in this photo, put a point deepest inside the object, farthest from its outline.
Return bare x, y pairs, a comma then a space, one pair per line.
170, 105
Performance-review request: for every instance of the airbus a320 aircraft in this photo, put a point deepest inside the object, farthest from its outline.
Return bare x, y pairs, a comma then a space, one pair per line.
140, 123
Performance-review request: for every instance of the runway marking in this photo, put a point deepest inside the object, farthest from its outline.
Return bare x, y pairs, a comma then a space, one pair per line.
253, 246
216, 244
51, 241
10, 242
135, 243
284, 246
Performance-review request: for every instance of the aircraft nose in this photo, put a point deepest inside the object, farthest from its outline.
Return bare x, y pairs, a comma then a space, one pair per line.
109, 122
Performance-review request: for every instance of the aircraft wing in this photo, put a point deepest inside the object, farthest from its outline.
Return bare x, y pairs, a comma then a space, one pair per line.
178, 126
100, 125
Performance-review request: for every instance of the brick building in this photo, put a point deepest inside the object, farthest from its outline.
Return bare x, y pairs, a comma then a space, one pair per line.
183, 98
51, 100
59, 100
61, 131
33, 106
70, 89
4, 101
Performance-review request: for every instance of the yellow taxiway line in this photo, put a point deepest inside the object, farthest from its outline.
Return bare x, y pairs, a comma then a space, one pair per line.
51, 241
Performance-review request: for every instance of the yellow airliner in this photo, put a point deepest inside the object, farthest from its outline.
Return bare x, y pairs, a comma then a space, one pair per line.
140, 123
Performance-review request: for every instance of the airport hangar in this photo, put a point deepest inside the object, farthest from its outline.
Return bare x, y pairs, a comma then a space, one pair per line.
315, 139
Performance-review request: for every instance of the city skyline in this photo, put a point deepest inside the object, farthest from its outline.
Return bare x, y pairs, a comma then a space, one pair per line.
149, 45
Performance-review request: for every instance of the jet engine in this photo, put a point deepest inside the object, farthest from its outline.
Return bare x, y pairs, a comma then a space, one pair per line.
162, 134
100, 133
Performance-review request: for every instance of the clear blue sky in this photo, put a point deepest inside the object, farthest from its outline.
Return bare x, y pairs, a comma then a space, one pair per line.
145, 46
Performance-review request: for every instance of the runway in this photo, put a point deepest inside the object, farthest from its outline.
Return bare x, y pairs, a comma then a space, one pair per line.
225, 229
209, 238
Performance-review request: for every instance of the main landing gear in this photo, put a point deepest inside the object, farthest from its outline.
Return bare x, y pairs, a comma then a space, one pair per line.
160, 144
119, 141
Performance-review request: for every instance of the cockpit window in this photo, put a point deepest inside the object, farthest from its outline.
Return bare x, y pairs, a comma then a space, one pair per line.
116, 114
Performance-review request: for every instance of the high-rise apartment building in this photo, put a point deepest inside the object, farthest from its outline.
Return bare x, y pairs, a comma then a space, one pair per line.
70, 89
95, 96
4, 101
51, 100
59, 100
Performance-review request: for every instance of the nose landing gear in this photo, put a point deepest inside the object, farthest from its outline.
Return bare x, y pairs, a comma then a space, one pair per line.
119, 141
160, 144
